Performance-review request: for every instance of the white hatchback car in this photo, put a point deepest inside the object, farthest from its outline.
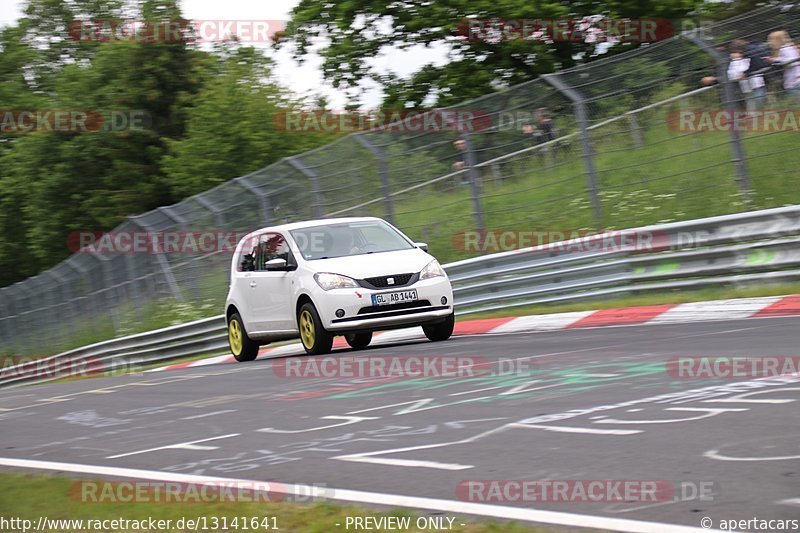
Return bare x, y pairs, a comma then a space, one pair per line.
341, 276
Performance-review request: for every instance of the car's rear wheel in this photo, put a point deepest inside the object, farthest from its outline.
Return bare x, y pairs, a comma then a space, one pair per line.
242, 347
315, 338
358, 341
440, 331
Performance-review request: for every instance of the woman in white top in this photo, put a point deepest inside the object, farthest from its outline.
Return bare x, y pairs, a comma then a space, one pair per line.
753, 88
784, 51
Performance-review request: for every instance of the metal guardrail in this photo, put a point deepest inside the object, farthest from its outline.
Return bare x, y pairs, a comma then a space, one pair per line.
757, 246
690, 254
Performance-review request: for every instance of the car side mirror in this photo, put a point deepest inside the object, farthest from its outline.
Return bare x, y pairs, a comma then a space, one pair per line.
422, 246
276, 264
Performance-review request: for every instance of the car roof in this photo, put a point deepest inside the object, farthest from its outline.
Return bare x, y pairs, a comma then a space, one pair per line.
319, 222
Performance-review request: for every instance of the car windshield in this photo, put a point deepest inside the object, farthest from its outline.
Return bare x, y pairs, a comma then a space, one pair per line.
350, 238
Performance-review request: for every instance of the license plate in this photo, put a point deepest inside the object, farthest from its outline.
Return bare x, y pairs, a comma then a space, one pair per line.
389, 298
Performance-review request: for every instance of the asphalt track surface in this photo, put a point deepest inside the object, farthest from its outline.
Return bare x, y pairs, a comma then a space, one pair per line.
421, 437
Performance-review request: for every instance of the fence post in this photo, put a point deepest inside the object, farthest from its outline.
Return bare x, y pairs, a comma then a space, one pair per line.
5, 321
636, 130
85, 308
58, 324
35, 319
263, 198
474, 182
727, 98
133, 281
163, 264
17, 329
216, 212
383, 172
112, 302
582, 118
312, 176
184, 226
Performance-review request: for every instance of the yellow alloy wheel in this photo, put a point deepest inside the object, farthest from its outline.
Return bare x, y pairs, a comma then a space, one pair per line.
307, 329
235, 337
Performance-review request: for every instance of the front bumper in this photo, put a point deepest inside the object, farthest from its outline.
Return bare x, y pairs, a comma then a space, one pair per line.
361, 314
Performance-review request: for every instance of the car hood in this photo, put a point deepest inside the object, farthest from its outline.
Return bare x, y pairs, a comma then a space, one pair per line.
375, 264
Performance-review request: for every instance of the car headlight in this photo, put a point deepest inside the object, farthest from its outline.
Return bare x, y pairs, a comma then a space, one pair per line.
329, 281
432, 270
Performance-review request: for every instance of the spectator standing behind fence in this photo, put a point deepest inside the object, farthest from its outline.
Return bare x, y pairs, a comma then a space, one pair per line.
545, 128
752, 86
460, 145
461, 160
784, 52
745, 60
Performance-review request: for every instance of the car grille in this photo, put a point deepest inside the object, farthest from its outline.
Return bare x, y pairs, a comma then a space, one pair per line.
393, 307
381, 282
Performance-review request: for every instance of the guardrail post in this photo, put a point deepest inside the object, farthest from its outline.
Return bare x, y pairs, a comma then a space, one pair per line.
474, 182
727, 98
582, 119
312, 176
383, 172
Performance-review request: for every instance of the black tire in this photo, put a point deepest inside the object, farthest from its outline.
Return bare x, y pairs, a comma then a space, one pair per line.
242, 347
316, 339
440, 331
357, 341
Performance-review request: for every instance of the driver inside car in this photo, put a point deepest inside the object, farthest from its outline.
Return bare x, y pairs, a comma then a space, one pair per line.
344, 244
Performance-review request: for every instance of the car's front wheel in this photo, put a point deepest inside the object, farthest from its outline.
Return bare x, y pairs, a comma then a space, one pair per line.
242, 347
440, 331
358, 341
315, 338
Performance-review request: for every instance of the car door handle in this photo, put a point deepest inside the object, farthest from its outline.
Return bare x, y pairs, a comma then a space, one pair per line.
253, 284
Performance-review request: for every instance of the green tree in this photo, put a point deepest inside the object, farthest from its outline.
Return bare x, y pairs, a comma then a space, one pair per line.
233, 124
360, 30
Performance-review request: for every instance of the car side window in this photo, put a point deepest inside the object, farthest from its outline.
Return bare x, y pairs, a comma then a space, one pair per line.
247, 260
271, 246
